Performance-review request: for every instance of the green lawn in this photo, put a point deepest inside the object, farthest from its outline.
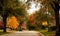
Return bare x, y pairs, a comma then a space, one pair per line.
51, 33
2, 33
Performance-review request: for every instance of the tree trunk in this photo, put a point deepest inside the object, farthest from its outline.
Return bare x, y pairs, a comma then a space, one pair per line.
4, 20
56, 9
57, 18
57, 23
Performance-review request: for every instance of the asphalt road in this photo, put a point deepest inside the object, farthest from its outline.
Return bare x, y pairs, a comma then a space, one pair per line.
24, 33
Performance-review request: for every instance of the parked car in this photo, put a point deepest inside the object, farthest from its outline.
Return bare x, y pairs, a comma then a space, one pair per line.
1, 25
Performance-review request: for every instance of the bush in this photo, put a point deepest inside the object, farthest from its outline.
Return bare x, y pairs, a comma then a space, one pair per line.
31, 28
43, 27
53, 28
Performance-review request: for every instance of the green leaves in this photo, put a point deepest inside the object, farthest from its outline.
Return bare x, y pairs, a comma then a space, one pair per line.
41, 16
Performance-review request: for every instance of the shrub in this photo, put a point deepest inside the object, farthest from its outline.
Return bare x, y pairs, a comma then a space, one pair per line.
52, 28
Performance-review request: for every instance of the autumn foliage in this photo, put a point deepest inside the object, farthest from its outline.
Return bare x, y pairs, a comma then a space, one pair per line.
31, 19
12, 22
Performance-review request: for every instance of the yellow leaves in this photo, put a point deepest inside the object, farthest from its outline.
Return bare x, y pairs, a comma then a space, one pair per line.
12, 22
44, 23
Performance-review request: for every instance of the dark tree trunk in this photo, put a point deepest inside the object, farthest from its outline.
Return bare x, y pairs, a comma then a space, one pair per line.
57, 18
4, 20
56, 9
57, 23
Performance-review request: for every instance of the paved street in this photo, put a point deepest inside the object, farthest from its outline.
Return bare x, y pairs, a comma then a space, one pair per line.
24, 33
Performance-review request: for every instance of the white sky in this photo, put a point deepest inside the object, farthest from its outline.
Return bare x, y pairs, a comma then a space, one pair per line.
33, 7
23, 1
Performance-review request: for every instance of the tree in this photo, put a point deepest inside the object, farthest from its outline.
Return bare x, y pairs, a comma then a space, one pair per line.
12, 22
11, 7
56, 9
54, 4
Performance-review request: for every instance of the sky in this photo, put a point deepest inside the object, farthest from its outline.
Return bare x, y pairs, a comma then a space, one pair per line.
34, 6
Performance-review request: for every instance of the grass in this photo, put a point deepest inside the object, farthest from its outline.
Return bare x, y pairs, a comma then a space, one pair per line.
51, 33
2, 33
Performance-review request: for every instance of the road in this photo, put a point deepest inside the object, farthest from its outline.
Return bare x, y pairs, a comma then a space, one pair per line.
24, 33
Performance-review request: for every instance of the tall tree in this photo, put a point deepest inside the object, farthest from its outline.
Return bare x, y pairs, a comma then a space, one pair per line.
56, 9
54, 4
11, 7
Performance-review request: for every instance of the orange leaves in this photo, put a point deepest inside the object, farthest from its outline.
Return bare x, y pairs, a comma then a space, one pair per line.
12, 22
